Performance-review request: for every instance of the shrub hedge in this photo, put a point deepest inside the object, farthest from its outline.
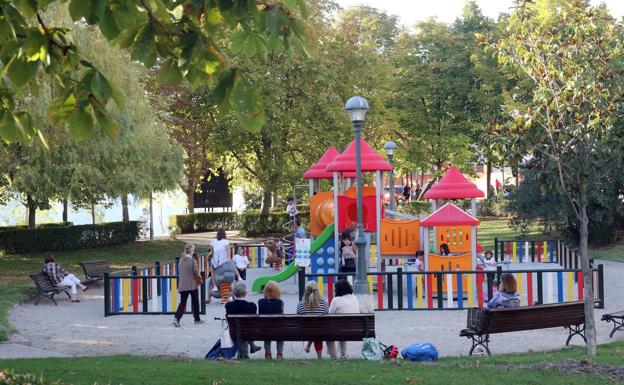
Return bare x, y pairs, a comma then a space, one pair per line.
250, 222
69, 237
198, 222
39, 226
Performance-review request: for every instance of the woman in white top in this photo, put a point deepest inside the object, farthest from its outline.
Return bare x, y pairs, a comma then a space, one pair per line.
241, 261
224, 269
343, 303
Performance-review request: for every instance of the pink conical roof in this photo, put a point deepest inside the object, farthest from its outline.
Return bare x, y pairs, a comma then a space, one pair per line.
317, 170
449, 215
454, 185
371, 161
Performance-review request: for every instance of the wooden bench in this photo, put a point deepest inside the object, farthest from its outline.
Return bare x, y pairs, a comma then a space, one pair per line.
618, 321
570, 315
46, 288
300, 327
94, 270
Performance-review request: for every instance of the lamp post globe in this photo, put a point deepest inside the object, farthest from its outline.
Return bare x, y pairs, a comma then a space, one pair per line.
390, 146
357, 107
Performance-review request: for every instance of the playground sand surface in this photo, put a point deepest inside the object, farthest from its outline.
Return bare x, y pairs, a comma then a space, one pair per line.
82, 330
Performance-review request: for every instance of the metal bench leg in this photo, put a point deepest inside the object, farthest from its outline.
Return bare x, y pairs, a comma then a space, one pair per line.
483, 341
617, 325
576, 330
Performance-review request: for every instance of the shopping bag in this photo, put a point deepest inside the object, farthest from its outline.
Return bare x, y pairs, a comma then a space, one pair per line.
226, 340
371, 349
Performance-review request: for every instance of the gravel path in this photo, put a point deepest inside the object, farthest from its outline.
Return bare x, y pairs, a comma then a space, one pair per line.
82, 330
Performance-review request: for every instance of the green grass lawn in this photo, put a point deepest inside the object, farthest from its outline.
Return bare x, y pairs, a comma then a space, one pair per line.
504, 369
609, 253
492, 227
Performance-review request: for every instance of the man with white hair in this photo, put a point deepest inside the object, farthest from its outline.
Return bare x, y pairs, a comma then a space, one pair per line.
240, 306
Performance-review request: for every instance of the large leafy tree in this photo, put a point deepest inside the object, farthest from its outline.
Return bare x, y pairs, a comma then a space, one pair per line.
186, 39
572, 55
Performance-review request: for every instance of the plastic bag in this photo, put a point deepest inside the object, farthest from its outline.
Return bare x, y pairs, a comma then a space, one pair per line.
218, 352
371, 349
420, 352
226, 340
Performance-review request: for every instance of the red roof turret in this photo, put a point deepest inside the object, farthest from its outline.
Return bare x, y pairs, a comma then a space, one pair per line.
371, 161
317, 170
449, 215
454, 185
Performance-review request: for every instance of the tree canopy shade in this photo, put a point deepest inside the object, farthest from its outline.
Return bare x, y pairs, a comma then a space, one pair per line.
571, 126
186, 40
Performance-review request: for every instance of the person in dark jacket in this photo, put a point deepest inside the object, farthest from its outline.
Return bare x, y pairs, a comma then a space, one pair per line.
272, 304
240, 306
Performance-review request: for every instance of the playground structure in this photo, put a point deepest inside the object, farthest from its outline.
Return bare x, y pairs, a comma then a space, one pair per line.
547, 271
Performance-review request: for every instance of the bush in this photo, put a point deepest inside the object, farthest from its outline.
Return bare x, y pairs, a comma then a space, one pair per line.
198, 222
10, 377
39, 226
416, 207
69, 237
253, 223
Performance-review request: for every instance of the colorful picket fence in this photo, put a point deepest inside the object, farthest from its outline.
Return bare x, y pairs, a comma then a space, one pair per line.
547, 251
401, 290
149, 290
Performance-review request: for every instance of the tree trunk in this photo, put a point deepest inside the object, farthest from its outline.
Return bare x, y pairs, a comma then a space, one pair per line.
588, 287
190, 201
32, 212
488, 178
266, 202
125, 215
93, 214
65, 205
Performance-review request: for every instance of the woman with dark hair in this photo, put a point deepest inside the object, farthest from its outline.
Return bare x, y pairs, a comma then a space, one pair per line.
61, 277
343, 303
444, 250
347, 253
225, 270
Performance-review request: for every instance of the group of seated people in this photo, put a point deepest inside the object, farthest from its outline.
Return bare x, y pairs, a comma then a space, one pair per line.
312, 303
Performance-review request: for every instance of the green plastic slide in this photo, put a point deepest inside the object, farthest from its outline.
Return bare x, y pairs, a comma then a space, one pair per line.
292, 269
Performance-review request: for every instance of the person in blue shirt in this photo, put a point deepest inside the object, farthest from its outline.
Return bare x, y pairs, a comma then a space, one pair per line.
506, 296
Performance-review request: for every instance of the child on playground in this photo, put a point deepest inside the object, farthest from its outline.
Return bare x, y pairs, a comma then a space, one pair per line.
419, 261
291, 207
242, 261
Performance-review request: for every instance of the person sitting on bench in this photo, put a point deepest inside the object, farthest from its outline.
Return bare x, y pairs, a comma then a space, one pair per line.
61, 277
240, 306
506, 295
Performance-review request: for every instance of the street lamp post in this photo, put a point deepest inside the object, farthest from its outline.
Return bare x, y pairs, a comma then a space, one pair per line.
390, 146
357, 107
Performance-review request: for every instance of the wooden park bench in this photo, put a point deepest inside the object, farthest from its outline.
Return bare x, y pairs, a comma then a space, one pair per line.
483, 322
94, 270
300, 327
46, 288
618, 321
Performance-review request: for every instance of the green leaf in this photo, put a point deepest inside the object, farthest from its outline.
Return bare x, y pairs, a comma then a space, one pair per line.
144, 43
8, 127
80, 124
169, 74
108, 25
119, 99
100, 87
79, 9
247, 103
109, 126
20, 71
238, 41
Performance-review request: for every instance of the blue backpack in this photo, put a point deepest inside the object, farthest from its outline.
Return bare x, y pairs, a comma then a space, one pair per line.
420, 352
218, 352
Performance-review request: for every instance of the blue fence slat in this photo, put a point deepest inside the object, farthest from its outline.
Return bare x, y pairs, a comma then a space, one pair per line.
410, 291
559, 286
460, 292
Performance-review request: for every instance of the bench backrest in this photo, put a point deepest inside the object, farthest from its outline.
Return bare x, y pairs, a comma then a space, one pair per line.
96, 268
42, 281
535, 317
295, 327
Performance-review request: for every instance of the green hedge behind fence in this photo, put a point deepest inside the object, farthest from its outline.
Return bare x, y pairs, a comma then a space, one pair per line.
198, 222
250, 222
69, 237
39, 226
